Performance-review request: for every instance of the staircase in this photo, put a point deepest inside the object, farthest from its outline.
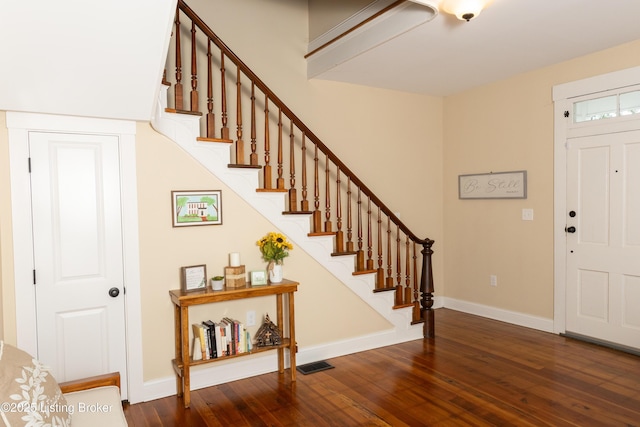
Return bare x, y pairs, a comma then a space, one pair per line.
322, 206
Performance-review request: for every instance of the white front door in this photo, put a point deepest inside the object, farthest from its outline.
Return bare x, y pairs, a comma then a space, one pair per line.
78, 254
603, 237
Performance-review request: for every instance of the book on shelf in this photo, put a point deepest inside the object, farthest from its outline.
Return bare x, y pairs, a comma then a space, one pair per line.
211, 332
199, 337
212, 340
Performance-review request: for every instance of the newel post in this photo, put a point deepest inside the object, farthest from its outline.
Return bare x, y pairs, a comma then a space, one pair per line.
426, 290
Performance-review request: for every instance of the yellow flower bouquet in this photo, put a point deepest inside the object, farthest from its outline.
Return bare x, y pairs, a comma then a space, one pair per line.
274, 247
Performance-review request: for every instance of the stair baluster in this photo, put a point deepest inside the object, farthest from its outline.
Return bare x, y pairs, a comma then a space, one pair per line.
194, 104
304, 205
239, 141
339, 240
293, 196
177, 89
210, 116
280, 180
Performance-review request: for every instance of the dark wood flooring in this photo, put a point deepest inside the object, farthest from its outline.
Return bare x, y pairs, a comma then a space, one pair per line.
476, 372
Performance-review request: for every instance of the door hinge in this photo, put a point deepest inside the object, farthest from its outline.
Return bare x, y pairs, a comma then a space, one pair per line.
34, 276
566, 113
29, 164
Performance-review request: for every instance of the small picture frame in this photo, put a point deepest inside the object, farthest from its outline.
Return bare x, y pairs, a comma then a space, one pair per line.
193, 278
193, 208
258, 278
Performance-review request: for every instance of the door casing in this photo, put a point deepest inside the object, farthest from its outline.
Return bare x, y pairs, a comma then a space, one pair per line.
563, 96
19, 125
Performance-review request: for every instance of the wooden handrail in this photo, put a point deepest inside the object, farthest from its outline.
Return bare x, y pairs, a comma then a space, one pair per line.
409, 294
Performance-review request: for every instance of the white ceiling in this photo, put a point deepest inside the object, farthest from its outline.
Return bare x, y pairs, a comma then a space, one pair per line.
445, 56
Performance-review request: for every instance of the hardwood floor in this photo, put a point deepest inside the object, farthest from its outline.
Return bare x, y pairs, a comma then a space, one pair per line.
476, 372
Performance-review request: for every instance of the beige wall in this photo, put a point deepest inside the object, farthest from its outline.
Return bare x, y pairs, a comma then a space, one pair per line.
501, 127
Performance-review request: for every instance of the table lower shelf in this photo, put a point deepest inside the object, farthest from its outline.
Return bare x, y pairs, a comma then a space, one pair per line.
178, 366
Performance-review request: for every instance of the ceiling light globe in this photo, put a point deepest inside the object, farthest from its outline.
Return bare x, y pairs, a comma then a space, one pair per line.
464, 10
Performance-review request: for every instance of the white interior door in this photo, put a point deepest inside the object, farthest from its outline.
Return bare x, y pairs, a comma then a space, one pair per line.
603, 237
78, 254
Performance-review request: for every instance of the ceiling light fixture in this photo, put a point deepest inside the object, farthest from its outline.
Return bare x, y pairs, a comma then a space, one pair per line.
464, 10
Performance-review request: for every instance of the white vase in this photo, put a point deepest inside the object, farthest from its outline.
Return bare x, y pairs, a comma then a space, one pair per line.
275, 273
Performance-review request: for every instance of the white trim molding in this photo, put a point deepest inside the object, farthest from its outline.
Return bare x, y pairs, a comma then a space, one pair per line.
19, 126
563, 97
508, 316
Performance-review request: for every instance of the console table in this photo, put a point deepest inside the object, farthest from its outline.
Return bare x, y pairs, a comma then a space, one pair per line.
183, 300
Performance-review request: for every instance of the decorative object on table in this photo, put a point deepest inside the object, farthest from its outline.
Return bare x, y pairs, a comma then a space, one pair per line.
275, 273
217, 283
234, 259
235, 277
196, 208
268, 335
258, 278
193, 278
275, 248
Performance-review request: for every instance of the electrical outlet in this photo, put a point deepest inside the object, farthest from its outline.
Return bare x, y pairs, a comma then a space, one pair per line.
527, 214
251, 318
493, 280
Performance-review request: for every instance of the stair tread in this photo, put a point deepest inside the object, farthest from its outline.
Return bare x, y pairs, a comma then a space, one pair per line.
191, 113
399, 306
271, 190
322, 233
384, 289
356, 273
297, 212
239, 166
203, 139
343, 253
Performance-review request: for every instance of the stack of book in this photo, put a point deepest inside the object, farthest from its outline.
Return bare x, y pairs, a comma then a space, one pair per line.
212, 340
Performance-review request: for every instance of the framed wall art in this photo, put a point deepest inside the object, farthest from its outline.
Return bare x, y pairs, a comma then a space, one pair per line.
493, 185
192, 208
193, 278
258, 278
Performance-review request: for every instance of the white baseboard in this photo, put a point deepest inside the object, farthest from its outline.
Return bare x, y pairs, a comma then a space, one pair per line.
250, 366
513, 317
239, 368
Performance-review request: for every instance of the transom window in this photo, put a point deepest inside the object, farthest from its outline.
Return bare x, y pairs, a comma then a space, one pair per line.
607, 107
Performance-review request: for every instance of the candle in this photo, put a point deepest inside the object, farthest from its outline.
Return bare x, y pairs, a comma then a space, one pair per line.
234, 259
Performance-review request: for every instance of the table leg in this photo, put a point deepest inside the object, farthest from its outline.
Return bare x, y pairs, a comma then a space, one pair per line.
292, 337
178, 349
280, 319
186, 376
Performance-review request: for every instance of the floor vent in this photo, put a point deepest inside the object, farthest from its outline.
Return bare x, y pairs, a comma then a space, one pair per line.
310, 368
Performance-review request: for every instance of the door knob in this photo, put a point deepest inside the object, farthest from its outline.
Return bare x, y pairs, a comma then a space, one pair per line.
571, 229
114, 292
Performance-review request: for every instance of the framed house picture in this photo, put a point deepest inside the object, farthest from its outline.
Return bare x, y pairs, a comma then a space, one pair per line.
193, 208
